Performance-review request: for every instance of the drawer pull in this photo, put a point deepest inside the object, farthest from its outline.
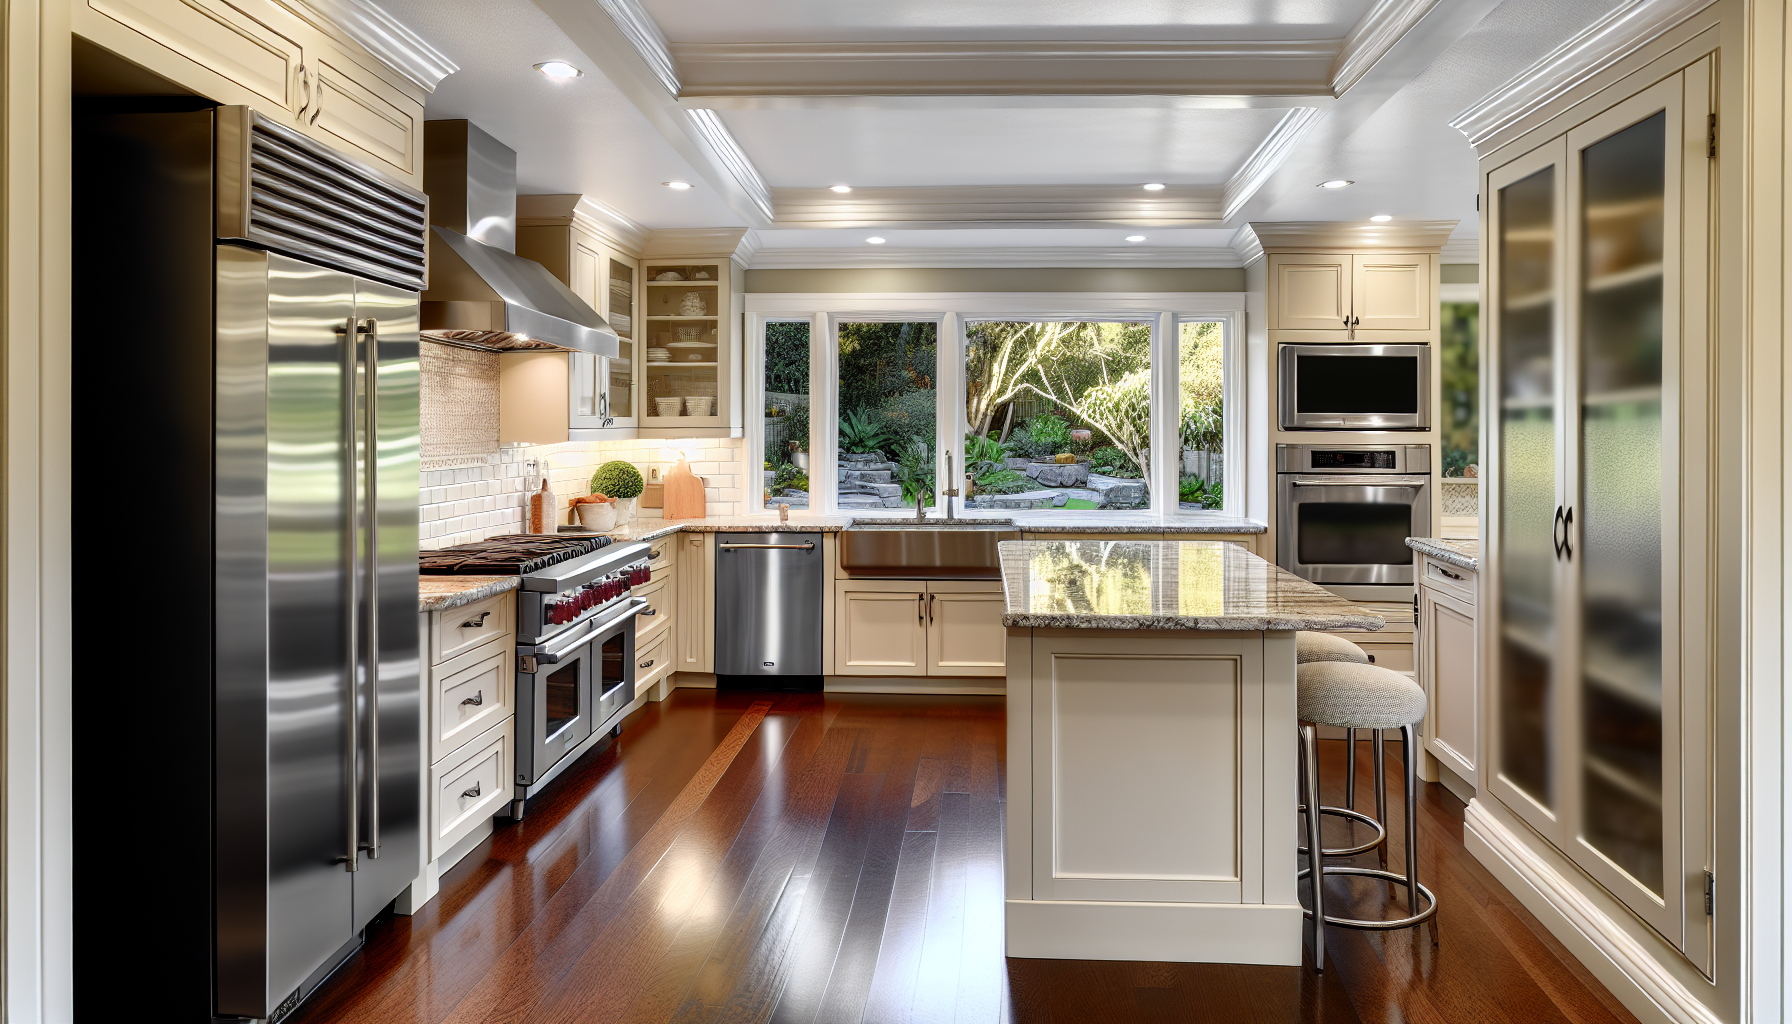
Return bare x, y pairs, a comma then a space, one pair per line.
647, 664
654, 552
650, 611
478, 623
1446, 572
475, 700
471, 792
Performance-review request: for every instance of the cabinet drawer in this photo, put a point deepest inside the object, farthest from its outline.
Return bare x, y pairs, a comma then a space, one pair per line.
1458, 583
656, 614
470, 694
660, 553
471, 786
459, 630
652, 660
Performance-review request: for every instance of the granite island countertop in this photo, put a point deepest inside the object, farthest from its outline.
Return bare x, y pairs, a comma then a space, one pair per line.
1086, 584
440, 593
1463, 554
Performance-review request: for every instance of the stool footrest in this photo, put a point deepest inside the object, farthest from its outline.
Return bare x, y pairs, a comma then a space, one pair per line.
1419, 918
1381, 832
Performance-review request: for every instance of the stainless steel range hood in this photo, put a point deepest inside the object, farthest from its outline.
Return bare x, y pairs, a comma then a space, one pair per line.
481, 294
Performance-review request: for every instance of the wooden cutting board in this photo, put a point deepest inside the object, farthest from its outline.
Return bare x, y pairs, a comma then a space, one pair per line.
684, 494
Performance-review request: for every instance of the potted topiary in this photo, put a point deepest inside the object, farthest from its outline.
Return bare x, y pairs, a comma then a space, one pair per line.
621, 481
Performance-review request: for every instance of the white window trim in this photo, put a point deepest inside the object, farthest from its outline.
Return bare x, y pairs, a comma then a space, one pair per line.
1163, 310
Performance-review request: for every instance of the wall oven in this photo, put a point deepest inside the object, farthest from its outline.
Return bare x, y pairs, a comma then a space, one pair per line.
1355, 387
1345, 511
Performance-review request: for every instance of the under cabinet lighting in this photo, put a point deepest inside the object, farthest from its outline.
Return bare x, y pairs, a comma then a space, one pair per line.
875, 240
1381, 218
677, 186
842, 189
1336, 183
1135, 238
559, 70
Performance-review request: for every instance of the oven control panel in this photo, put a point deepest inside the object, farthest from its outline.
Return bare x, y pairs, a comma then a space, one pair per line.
570, 604
1334, 459
1353, 458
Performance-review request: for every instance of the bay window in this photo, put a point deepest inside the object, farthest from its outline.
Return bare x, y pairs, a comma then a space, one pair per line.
871, 403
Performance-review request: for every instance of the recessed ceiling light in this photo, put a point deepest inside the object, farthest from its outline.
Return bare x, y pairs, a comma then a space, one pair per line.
676, 186
559, 69
875, 240
842, 189
1336, 183
1156, 186
1135, 238
1381, 218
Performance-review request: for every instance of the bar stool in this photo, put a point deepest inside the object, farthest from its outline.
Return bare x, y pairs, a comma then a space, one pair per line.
1353, 696
1310, 648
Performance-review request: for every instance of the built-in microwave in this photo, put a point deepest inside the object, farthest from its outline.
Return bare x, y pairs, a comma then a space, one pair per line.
1355, 387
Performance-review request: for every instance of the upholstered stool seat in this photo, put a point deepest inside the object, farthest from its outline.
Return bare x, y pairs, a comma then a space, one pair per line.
1355, 696
1310, 647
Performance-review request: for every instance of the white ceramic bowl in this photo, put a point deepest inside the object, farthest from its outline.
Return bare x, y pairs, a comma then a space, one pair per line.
699, 406
597, 515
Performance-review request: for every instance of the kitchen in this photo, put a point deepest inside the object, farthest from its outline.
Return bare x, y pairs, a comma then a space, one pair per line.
669, 544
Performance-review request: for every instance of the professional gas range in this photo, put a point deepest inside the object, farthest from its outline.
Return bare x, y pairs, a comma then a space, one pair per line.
575, 641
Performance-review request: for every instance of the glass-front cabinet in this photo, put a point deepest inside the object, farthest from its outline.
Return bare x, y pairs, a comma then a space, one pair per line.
690, 345
1597, 428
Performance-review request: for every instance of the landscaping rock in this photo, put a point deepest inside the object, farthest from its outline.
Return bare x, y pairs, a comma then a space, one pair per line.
1023, 500
1118, 493
853, 476
1071, 474
861, 457
1019, 464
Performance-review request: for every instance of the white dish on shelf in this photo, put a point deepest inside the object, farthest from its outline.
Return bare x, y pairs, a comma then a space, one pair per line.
689, 344
670, 275
697, 405
669, 406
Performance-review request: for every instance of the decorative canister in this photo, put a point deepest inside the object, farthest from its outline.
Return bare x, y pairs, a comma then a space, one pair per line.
692, 304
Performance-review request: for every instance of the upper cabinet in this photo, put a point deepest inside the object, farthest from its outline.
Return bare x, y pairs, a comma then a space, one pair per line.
1345, 293
278, 58
690, 338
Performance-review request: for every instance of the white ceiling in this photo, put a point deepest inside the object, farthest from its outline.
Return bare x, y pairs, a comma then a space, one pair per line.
982, 146
929, 20
607, 136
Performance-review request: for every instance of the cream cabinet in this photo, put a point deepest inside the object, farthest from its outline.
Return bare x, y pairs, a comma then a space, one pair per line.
266, 55
1446, 645
601, 393
919, 628
1597, 651
690, 339
695, 637
1353, 292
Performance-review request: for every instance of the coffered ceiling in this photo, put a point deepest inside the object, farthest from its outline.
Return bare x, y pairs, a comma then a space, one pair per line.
984, 125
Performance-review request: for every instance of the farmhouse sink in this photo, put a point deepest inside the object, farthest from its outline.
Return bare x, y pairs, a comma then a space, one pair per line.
897, 549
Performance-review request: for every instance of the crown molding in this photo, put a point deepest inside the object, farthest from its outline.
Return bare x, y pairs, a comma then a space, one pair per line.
1461, 250
693, 242
1002, 205
859, 257
1386, 24
643, 33
584, 213
1266, 159
1351, 236
381, 35
709, 125
1247, 246
748, 248
1616, 35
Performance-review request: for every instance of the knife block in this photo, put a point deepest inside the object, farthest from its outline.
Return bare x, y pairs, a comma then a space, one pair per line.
684, 498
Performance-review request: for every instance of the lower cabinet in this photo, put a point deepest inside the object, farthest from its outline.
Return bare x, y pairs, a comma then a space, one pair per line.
468, 788
1447, 646
696, 633
919, 628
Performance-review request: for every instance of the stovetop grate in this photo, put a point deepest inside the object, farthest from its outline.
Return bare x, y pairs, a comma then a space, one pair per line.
517, 554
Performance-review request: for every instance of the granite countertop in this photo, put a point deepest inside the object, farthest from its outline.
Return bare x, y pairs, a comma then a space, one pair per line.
440, 593
1087, 584
1463, 554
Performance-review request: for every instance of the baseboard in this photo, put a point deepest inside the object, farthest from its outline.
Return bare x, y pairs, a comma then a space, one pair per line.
1216, 933
1458, 786
1635, 976
982, 685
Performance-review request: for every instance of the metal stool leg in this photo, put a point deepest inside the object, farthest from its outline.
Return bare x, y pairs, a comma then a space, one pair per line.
1309, 778
1350, 768
1381, 789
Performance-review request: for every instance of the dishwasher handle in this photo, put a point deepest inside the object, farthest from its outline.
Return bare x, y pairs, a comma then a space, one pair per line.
805, 546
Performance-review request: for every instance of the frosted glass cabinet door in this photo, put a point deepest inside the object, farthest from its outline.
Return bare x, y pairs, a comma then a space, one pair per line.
1526, 199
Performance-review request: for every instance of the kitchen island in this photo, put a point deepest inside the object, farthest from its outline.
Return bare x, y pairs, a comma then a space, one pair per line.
1151, 749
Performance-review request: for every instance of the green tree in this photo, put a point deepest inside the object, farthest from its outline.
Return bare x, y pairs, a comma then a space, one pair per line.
1460, 355
787, 357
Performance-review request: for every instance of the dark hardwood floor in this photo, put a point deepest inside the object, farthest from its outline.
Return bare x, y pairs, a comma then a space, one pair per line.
799, 858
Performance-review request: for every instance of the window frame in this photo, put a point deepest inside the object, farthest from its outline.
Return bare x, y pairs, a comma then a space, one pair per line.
1164, 311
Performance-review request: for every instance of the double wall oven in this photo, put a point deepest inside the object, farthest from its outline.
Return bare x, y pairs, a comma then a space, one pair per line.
575, 636
1346, 511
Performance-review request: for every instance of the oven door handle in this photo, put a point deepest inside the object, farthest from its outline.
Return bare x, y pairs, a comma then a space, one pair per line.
1361, 480
593, 629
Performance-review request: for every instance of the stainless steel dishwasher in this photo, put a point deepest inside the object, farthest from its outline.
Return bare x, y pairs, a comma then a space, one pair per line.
769, 590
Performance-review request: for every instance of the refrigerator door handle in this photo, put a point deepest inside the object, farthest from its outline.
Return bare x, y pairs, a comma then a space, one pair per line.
370, 500
351, 424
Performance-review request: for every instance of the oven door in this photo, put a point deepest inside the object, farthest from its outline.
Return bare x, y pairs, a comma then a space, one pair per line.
1355, 387
1351, 529
566, 690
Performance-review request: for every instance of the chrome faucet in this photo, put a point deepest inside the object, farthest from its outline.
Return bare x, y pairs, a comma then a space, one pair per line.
949, 492
920, 507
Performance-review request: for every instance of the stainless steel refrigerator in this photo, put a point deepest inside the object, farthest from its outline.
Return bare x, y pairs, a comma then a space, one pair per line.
247, 370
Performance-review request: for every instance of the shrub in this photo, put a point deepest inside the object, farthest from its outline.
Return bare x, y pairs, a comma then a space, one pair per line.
1192, 490
796, 426
914, 471
1111, 461
617, 479
860, 434
1049, 433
